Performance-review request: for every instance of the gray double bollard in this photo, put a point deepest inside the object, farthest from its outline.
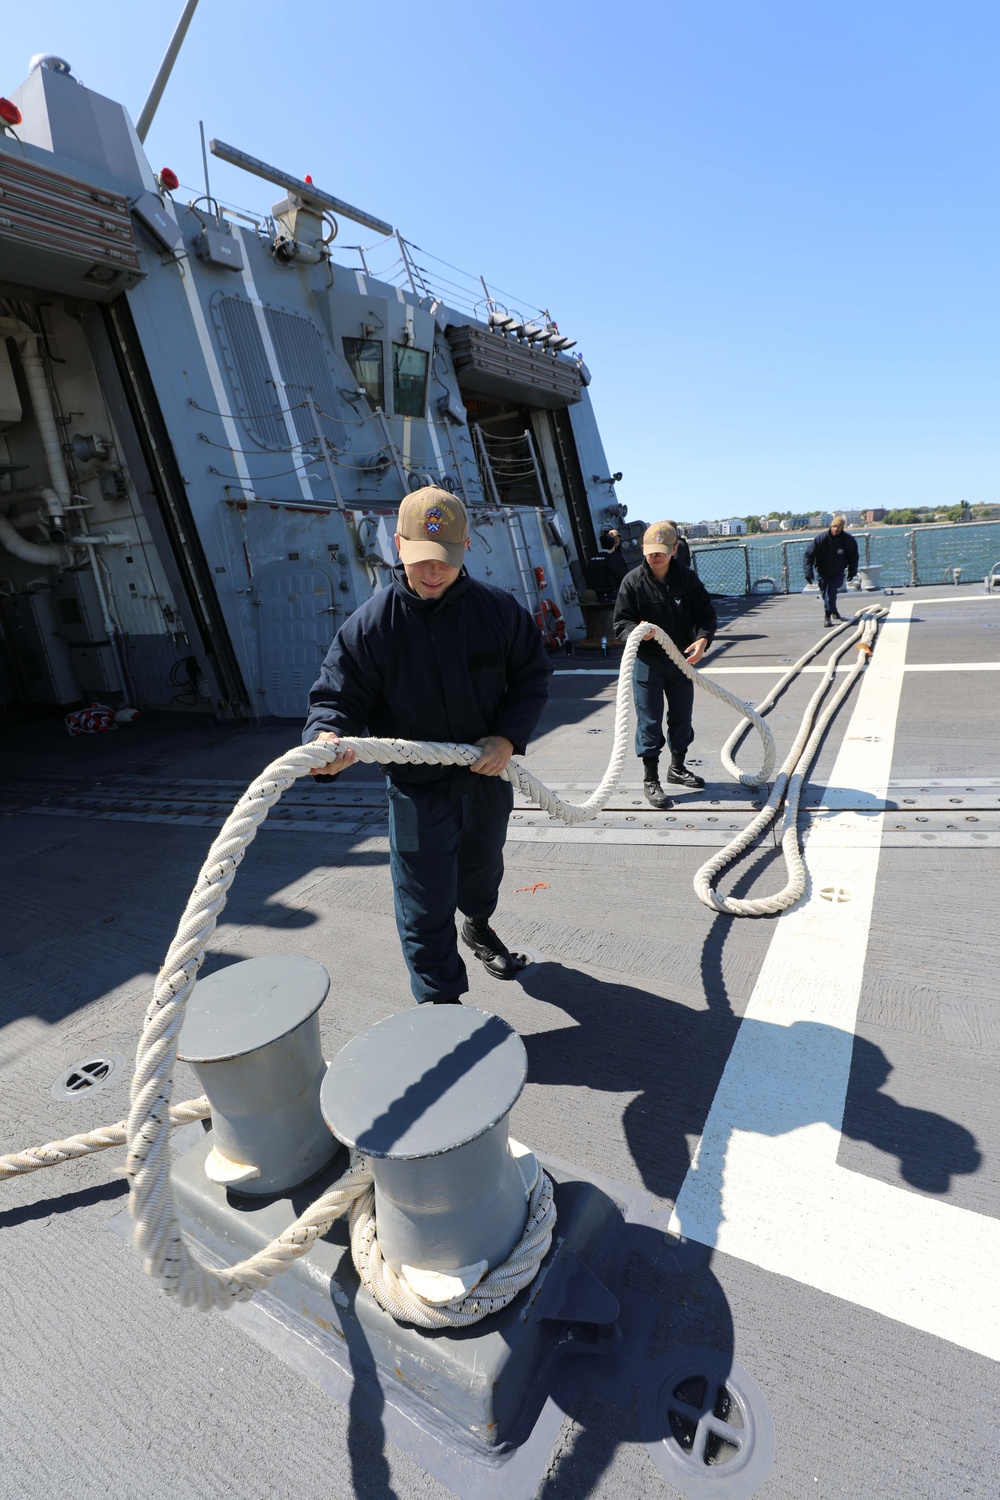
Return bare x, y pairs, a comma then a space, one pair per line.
251, 1034
425, 1096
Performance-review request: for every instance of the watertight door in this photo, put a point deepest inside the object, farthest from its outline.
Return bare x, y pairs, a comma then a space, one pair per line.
295, 625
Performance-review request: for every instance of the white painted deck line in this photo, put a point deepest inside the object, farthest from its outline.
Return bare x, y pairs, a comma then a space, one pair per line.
982, 598
764, 1184
936, 666
917, 666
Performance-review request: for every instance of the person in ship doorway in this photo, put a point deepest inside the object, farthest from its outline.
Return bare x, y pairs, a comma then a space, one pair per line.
614, 556
830, 555
663, 593
438, 655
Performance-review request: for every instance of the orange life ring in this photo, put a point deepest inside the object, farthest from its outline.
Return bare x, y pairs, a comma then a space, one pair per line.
551, 624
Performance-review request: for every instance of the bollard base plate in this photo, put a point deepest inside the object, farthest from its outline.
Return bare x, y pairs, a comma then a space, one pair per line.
483, 1386
484, 1410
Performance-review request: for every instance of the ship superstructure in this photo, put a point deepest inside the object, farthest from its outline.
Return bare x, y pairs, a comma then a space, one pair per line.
207, 424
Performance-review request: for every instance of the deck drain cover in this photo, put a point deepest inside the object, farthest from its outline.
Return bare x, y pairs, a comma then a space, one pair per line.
835, 893
714, 1433
88, 1076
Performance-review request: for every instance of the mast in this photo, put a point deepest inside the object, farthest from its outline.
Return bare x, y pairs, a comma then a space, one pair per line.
166, 68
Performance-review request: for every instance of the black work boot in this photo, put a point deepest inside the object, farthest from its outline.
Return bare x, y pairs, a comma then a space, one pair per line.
681, 776
652, 790
494, 955
828, 618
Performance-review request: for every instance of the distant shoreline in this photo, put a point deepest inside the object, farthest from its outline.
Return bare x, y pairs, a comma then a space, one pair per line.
753, 538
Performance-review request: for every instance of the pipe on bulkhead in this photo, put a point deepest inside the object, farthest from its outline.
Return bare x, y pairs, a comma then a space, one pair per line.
33, 365
60, 495
51, 554
25, 518
110, 623
50, 516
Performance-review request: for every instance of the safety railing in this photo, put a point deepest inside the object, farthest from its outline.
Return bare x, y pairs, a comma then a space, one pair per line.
917, 555
723, 570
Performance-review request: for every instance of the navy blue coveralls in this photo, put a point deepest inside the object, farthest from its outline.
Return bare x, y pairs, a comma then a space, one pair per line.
681, 606
831, 557
458, 668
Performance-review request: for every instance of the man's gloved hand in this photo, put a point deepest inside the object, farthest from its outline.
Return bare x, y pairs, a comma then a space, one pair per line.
809, 578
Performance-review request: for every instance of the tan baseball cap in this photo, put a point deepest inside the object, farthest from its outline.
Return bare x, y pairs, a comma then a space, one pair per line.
660, 537
432, 526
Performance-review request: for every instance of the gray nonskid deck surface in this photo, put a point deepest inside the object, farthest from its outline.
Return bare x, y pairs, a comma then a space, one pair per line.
629, 1019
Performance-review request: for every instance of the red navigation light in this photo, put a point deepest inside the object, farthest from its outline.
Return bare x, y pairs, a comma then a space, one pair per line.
168, 179
9, 112
308, 179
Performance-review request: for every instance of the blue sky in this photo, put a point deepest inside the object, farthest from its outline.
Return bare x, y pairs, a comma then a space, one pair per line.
771, 226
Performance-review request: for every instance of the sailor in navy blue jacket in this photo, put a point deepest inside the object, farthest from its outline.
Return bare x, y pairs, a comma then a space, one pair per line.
831, 554
462, 667
663, 592
439, 656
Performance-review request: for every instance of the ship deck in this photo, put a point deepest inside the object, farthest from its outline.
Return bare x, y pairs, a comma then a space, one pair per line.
813, 1095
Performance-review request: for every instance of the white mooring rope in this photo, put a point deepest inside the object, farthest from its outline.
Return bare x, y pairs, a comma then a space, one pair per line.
791, 777
35, 1157
168, 1258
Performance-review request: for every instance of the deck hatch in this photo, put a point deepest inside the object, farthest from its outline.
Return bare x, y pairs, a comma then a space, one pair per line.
88, 1076
717, 1432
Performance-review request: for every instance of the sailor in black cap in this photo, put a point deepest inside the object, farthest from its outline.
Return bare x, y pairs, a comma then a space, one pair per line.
439, 656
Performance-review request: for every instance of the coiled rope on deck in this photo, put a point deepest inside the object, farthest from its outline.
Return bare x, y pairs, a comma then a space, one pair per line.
168, 1258
791, 777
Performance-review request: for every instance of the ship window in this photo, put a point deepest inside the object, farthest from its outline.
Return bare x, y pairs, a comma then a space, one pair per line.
409, 380
365, 358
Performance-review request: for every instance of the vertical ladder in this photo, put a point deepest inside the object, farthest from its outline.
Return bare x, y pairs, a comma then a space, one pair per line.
532, 592
486, 478
543, 498
519, 543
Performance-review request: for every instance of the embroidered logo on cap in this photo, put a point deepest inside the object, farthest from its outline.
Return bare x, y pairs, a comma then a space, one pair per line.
432, 524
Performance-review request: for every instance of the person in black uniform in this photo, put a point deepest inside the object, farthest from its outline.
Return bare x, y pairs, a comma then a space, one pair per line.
439, 656
665, 594
683, 553
614, 557
830, 555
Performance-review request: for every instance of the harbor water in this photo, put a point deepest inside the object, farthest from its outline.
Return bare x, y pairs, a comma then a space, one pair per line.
907, 555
